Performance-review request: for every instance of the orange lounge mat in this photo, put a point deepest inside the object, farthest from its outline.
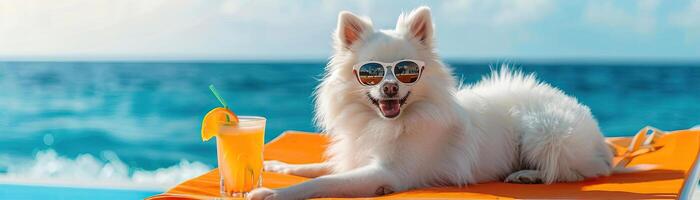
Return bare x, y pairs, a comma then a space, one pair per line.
676, 159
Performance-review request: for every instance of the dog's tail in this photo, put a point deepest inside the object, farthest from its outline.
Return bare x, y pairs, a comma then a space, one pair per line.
620, 169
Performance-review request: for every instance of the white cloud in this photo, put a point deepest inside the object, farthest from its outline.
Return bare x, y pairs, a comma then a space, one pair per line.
483, 29
271, 11
166, 28
520, 11
278, 29
87, 27
688, 19
640, 19
500, 13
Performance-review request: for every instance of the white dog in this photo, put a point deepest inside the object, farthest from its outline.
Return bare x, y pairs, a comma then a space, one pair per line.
399, 121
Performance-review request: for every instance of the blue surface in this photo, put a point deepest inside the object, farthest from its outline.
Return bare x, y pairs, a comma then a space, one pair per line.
41, 192
149, 114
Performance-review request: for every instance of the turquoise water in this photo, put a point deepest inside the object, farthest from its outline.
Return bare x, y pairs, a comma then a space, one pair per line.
68, 193
142, 119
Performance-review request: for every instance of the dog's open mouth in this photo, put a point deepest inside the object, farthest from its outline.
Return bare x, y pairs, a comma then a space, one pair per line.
390, 108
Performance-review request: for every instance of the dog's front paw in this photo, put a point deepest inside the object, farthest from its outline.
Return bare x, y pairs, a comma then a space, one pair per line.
524, 177
278, 167
263, 194
383, 190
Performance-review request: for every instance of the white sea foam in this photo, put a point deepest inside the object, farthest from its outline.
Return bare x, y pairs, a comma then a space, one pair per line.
85, 170
696, 127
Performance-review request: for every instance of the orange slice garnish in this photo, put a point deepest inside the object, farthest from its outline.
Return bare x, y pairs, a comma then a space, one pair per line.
213, 121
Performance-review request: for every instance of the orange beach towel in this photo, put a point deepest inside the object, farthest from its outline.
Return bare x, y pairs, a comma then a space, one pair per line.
674, 177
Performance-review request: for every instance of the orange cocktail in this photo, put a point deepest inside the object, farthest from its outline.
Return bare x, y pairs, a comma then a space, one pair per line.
239, 151
239, 147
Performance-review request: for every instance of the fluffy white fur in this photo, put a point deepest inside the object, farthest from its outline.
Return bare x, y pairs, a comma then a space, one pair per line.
508, 127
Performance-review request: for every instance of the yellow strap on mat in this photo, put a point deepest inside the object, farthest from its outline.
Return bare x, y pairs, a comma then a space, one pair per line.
643, 142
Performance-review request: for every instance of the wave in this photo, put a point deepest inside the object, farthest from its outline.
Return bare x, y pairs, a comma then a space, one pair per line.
49, 168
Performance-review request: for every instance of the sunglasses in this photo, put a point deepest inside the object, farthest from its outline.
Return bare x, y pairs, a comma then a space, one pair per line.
373, 72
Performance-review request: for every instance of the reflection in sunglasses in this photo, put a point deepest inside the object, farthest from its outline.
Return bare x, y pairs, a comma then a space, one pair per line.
371, 80
372, 73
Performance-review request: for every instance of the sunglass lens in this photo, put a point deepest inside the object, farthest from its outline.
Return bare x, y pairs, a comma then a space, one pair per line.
407, 71
371, 73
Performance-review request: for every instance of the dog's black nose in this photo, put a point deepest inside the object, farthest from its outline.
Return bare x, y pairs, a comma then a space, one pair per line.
390, 89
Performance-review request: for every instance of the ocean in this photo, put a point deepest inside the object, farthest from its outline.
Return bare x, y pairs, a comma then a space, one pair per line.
136, 124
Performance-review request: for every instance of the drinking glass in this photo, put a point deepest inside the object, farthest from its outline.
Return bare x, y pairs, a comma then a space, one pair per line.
240, 157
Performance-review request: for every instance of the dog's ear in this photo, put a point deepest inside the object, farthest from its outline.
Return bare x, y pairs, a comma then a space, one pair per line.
351, 29
418, 24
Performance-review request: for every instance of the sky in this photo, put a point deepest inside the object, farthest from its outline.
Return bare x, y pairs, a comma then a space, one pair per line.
301, 30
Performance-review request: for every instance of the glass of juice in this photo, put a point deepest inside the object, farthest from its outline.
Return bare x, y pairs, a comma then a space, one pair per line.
239, 149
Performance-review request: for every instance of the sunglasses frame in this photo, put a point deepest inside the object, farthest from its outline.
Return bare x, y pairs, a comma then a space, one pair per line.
391, 66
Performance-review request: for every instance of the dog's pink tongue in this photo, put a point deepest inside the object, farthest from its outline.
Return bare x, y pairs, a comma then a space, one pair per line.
390, 108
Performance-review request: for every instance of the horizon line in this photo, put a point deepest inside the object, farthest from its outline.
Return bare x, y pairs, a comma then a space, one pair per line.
608, 60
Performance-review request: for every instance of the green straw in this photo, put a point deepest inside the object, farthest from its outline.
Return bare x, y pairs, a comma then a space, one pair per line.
216, 94
221, 100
